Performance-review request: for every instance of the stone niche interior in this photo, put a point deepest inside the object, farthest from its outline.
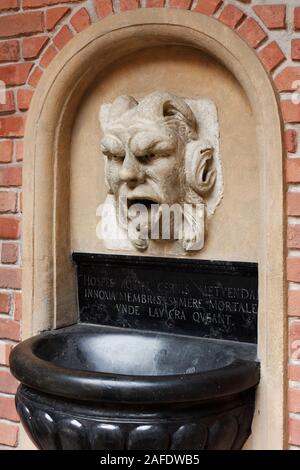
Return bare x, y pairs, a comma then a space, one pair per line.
232, 232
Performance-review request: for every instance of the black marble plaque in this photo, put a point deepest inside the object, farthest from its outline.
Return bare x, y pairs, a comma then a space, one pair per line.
213, 299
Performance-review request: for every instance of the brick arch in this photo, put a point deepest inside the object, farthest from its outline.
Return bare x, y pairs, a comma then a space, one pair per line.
253, 24
254, 28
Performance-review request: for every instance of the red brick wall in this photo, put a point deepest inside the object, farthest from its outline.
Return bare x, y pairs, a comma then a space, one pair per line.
31, 33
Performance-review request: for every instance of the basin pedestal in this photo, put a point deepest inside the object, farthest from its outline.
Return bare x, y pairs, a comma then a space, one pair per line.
54, 423
179, 392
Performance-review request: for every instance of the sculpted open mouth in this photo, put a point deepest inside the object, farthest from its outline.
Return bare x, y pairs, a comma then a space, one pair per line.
146, 202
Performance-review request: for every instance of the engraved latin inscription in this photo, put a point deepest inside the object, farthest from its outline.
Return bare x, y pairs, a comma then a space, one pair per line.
214, 304
195, 298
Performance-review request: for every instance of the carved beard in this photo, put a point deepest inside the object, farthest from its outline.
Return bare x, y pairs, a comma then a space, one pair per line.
193, 235
136, 219
151, 223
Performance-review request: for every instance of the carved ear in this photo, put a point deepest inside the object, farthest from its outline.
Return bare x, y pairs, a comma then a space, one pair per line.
202, 174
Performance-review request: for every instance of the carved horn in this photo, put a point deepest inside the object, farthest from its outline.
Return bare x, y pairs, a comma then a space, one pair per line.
172, 109
121, 105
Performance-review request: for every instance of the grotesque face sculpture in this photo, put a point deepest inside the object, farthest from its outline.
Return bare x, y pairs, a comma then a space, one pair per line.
152, 160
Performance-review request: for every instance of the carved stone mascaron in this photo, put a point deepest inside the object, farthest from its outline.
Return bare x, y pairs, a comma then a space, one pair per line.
161, 153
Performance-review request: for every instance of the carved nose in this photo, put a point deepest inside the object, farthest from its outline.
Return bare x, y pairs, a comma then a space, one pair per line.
131, 172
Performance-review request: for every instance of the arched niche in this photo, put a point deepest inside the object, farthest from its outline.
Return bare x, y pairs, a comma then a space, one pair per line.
49, 280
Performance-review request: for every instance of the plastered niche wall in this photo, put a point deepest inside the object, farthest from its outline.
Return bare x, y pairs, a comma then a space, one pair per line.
232, 233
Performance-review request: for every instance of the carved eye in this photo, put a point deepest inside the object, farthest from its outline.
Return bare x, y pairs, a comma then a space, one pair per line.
146, 159
118, 158
106, 152
112, 156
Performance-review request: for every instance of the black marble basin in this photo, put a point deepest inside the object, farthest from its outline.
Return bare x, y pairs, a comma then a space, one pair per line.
100, 387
